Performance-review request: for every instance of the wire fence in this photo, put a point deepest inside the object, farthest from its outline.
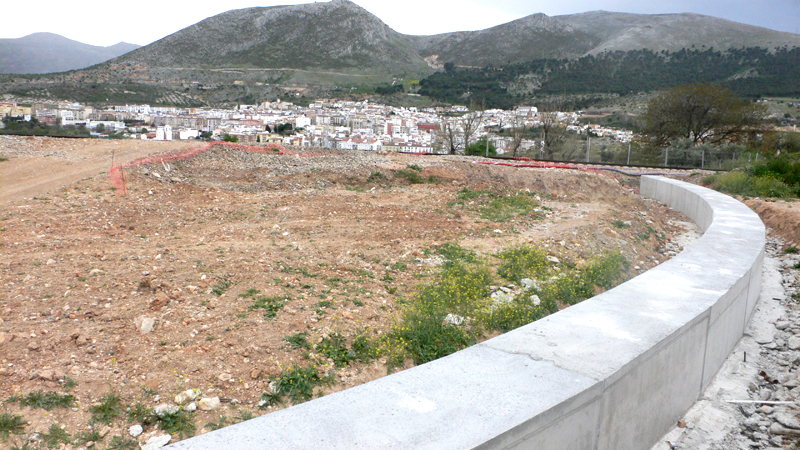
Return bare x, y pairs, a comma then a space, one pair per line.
707, 158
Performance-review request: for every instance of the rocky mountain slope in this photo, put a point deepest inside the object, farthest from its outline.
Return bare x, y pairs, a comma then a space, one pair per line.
48, 52
672, 32
532, 37
340, 35
329, 36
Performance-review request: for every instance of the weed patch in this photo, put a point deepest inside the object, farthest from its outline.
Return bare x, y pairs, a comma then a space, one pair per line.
107, 410
55, 436
497, 207
296, 383
742, 183
299, 340
44, 400
270, 305
11, 424
220, 288
522, 262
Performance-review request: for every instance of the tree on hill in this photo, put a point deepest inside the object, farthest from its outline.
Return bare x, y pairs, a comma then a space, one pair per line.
700, 113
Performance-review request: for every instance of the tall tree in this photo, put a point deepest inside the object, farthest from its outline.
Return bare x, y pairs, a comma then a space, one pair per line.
517, 133
553, 131
448, 135
701, 113
471, 122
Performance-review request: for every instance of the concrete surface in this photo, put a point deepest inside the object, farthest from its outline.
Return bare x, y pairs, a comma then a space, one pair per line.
613, 372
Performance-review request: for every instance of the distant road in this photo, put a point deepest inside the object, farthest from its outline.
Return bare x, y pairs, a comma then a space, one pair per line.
40, 165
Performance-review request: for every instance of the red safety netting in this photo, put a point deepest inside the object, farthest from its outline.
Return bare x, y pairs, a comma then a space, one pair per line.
117, 174
538, 164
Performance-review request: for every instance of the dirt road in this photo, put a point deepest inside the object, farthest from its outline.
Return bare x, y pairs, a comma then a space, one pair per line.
37, 165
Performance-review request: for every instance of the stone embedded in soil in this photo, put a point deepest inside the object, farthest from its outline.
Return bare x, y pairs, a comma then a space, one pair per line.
157, 442
208, 404
187, 395
144, 324
787, 420
135, 430
165, 409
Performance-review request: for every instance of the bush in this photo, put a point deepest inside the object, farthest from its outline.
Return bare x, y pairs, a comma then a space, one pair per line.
741, 183
521, 262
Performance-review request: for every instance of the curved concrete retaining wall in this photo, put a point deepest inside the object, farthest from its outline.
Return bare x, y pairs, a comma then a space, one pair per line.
613, 372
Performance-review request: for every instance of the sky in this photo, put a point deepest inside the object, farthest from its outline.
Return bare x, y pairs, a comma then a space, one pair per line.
107, 23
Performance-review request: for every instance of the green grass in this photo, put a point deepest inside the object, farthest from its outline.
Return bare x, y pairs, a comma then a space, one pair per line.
454, 253
790, 250
123, 443
88, 436
497, 207
180, 422
413, 177
299, 340
376, 177
107, 410
334, 346
522, 262
745, 184
11, 424
270, 305
220, 288
44, 400
423, 334
617, 223
295, 383
55, 436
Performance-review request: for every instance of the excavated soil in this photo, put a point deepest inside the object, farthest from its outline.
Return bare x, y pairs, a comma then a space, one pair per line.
84, 266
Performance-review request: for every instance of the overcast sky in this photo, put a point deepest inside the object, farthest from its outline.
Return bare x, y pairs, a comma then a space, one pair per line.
108, 22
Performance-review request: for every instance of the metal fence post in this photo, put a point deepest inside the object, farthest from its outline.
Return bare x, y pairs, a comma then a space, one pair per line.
666, 157
703, 159
629, 154
588, 146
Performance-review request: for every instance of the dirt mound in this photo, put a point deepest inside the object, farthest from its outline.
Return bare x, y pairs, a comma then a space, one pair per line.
324, 243
782, 217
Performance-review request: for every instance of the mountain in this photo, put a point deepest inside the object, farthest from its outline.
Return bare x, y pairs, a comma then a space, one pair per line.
48, 52
326, 48
340, 35
672, 32
323, 36
532, 37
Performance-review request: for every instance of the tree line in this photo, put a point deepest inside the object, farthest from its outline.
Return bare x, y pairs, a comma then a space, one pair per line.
750, 72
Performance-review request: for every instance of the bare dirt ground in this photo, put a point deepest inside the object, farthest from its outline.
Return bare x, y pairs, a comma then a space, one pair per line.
782, 217
85, 269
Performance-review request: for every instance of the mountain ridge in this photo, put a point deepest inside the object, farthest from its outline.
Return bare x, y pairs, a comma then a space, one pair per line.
50, 52
342, 35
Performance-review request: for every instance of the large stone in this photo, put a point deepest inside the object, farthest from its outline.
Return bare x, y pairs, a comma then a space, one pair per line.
165, 409
144, 324
208, 404
794, 343
157, 442
777, 428
787, 420
186, 396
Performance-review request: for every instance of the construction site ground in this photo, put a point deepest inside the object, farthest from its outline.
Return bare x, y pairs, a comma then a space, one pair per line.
344, 235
